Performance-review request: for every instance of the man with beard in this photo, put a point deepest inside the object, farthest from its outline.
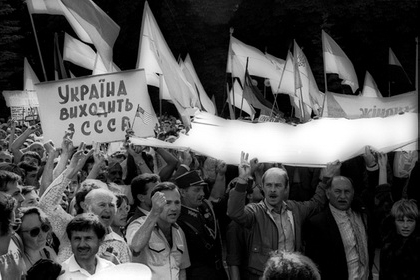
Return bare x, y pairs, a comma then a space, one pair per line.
274, 223
156, 240
86, 234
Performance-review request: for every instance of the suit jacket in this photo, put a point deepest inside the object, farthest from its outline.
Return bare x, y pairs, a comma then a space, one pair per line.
325, 247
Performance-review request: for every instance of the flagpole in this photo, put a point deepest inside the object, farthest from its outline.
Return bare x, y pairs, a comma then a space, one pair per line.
325, 74
231, 75
389, 76
160, 94
134, 119
242, 100
37, 45
417, 64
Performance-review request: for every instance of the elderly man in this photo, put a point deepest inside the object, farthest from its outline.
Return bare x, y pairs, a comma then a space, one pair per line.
86, 234
101, 202
156, 238
275, 223
337, 237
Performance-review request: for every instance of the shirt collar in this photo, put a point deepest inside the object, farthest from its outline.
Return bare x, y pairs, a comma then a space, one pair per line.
74, 266
339, 213
271, 208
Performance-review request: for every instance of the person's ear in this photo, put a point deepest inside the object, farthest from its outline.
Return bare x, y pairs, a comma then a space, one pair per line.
84, 206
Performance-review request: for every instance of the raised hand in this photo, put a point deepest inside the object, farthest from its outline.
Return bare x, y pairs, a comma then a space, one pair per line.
158, 202
185, 157
221, 167
244, 167
332, 169
369, 156
382, 160
67, 143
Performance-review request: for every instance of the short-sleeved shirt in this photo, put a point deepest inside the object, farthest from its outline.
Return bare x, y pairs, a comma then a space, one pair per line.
73, 271
164, 262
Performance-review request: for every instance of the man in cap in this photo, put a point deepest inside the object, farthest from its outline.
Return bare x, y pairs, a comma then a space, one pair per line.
200, 225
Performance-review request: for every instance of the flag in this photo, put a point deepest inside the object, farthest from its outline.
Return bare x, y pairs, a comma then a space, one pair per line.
239, 101
102, 30
336, 61
59, 69
305, 81
241, 54
143, 115
287, 85
84, 56
254, 97
155, 56
370, 89
29, 77
204, 98
398, 78
56, 7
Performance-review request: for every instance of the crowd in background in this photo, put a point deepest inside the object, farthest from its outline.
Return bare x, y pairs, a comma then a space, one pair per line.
71, 212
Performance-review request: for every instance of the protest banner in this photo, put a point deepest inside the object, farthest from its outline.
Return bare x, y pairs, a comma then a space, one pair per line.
23, 105
354, 107
96, 108
314, 143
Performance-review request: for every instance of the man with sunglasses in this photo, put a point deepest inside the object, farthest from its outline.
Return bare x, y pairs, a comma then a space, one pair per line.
86, 234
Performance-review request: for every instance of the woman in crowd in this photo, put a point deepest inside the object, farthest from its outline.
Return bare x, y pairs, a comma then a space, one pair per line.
33, 232
120, 219
400, 250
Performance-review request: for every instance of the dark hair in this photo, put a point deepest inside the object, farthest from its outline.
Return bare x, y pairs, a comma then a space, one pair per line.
86, 222
31, 154
164, 186
7, 177
7, 207
11, 167
81, 194
26, 167
290, 265
27, 189
34, 210
120, 198
138, 185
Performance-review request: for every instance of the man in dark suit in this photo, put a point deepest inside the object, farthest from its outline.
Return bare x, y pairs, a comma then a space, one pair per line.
337, 236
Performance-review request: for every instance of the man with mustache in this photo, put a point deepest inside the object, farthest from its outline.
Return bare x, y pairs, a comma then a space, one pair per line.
200, 224
276, 222
149, 236
86, 234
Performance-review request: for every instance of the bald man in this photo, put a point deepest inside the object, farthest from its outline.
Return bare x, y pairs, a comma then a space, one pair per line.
337, 236
275, 222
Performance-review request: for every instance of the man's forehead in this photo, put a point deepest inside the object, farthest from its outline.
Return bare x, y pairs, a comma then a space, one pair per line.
87, 232
275, 174
341, 182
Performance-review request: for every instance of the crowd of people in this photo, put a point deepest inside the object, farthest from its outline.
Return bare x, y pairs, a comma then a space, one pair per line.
75, 212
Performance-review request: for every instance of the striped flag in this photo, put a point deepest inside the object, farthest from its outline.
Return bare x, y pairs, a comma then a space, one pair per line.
101, 28
143, 115
336, 61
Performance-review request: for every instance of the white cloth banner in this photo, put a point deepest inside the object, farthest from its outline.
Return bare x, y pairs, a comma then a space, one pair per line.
310, 144
97, 108
354, 107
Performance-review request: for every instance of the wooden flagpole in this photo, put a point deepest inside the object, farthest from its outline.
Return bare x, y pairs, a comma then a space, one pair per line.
37, 45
